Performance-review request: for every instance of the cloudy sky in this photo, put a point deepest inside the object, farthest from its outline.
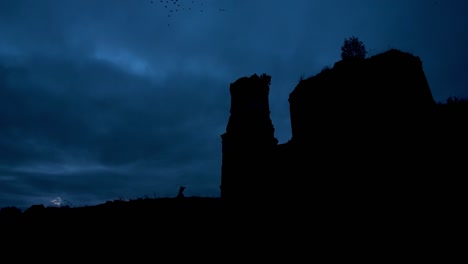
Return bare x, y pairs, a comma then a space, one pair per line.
123, 99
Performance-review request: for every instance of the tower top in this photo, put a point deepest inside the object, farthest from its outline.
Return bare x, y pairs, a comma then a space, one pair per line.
250, 112
253, 85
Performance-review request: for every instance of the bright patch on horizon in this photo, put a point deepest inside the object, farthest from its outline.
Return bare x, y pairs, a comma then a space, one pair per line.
57, 201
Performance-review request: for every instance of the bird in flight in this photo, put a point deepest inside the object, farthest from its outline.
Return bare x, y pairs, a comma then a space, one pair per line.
178, 6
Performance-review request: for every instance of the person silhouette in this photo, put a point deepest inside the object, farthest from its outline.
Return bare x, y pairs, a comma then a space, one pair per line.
181, 192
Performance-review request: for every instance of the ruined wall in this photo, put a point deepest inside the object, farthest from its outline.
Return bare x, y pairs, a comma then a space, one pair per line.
365, 123
387, 89
356, 128
249, 139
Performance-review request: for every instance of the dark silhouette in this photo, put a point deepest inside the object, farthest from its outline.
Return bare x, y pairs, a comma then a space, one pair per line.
353, 48
371, 156
180, 194
363, 142
9, 215
249, 139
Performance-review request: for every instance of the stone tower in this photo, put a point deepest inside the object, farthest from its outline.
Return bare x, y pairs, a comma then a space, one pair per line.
248, 141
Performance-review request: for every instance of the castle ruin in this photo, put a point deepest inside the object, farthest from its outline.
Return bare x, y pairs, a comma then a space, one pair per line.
355, 128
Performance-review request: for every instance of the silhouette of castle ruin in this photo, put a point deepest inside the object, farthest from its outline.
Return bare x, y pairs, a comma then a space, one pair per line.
355, 128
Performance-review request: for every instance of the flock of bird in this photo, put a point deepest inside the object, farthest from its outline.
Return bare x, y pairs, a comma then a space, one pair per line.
173, 6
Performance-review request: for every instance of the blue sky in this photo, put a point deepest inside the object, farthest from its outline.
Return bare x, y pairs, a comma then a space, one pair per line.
101, 100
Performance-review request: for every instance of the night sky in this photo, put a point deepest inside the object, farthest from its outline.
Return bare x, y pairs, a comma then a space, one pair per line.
125, 99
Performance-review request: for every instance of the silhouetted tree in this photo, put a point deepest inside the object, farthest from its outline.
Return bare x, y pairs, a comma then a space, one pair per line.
353, 48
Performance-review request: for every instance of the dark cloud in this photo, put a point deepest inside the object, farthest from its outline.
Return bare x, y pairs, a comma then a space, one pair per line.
101, 99
92, 113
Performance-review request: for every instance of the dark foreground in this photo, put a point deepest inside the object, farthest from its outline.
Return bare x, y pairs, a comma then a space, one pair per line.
208, 229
